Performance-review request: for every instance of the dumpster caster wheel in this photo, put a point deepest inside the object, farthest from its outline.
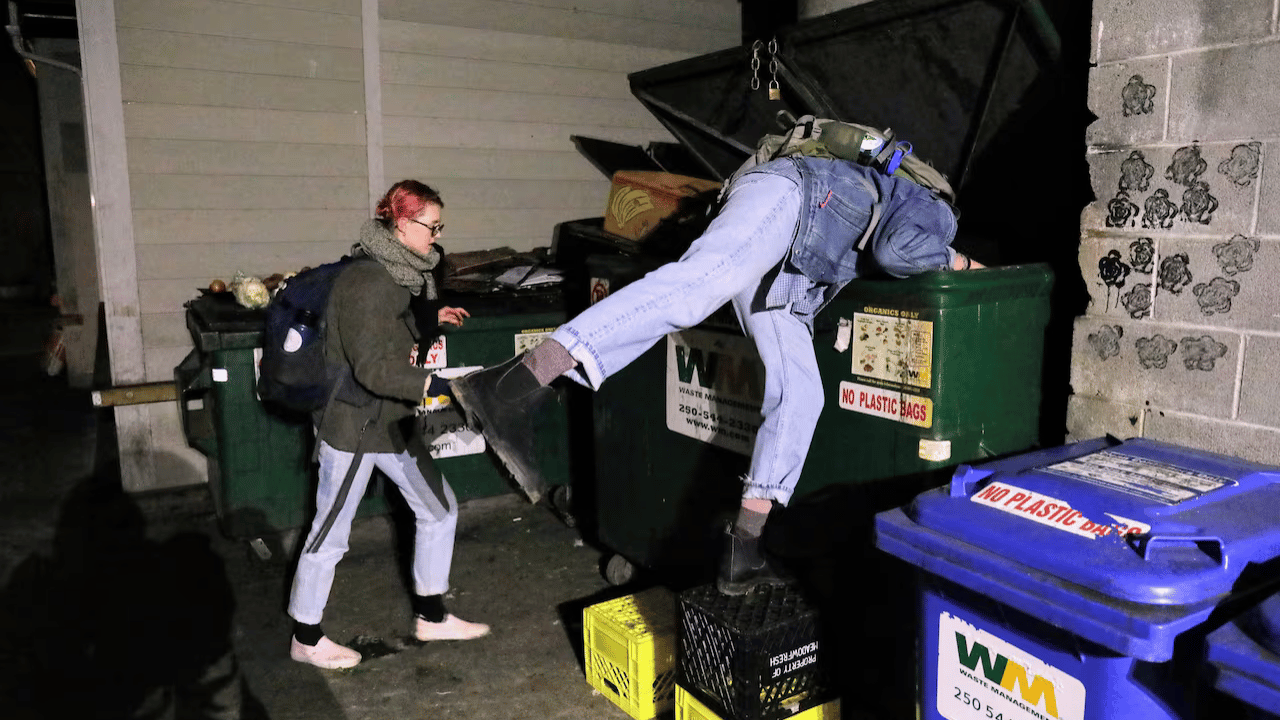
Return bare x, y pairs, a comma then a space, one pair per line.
619, 570
562, 505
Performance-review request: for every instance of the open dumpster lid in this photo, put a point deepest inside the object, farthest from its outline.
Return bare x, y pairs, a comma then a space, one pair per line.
1127, 544
943, 74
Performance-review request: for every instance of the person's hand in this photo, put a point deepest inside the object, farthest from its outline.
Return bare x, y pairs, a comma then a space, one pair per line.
452, 316
964, 262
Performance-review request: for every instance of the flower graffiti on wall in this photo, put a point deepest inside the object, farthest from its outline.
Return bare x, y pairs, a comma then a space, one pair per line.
1159, 211
1242, 167
1137, 97
1121, 211
1106, 341
1236, 254
1201, 353
1197, 204
1154, 352
1135, 173
1215, 295
1187, 165
1141, 254
1137, 302
1175, 273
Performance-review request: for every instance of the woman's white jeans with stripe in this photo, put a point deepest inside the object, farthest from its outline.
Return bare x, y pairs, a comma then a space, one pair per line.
434, 507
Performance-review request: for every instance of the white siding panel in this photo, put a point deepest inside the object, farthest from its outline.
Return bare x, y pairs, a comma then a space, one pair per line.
165, 330
200, 157
212, 227
342, 7
487, 134
175, 262
719, 15
144, 120
534, 49
431, 164
243, 192
160, 363
240, 20
177, 86
162, 296
578, 23
472, 74
466, 195
207, 52
425, 102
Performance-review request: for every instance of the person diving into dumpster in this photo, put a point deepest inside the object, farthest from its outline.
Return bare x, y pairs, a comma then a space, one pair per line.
789, 235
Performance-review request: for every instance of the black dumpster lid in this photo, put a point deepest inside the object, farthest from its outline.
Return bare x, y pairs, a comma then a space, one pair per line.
943, 74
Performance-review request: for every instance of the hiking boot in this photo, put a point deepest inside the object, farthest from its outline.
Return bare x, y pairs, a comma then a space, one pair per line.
451, 628
500, 403
325, 654
743, 565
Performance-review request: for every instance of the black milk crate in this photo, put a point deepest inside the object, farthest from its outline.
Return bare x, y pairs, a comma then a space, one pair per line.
754, 656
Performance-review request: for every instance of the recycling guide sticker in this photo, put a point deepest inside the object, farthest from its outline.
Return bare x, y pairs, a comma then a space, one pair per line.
983, 677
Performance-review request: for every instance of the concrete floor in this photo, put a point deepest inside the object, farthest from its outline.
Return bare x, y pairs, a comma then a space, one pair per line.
106, 593
124, 571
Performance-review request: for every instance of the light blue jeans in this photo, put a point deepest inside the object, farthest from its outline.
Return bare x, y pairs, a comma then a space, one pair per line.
733, 261
435, 510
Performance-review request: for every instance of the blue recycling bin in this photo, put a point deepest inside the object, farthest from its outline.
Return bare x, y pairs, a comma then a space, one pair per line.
1242, 660
1066, 583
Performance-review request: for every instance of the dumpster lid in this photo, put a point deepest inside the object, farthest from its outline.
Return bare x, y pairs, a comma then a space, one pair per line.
943, 74
1139, 521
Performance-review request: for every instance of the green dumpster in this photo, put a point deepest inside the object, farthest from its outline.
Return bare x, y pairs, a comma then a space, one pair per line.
501, 325
261, 473
921, 374
261, 476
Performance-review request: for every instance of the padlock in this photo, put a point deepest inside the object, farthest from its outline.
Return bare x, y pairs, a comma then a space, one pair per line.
775, 92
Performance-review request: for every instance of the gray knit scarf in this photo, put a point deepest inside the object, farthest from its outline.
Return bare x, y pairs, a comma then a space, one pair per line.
409, 268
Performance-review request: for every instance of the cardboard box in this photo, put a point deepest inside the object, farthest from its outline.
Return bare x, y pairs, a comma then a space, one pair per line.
641, 199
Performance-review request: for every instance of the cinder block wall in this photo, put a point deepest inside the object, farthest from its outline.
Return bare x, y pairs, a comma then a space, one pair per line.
1181, 247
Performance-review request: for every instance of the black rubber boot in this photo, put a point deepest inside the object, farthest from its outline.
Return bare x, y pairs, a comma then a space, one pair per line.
743, 565
499, 403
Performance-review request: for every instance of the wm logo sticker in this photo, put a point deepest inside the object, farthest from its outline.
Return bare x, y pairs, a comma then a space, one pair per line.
980, 673
1007, 674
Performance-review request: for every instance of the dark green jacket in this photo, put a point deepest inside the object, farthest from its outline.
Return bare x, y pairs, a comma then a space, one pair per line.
371, 330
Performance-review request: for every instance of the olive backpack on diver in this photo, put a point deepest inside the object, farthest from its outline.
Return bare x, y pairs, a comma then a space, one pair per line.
864, 145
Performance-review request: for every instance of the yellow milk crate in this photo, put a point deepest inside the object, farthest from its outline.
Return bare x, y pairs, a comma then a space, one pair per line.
630, 648
689, 708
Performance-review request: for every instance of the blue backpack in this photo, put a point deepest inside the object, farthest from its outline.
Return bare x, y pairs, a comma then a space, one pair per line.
294, 373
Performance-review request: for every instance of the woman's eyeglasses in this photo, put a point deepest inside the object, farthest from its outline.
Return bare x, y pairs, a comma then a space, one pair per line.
435, 229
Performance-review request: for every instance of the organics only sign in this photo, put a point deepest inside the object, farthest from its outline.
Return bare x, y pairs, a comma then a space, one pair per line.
715, 388
437, 355
984, 677
1055, 513
893, 345
530, 339
892, 359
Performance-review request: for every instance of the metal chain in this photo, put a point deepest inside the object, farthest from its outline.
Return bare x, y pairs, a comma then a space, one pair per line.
775, 92
755, 64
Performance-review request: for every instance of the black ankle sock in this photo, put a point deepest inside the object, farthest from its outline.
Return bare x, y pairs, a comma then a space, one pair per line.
429, 607
307, 634
750, 523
